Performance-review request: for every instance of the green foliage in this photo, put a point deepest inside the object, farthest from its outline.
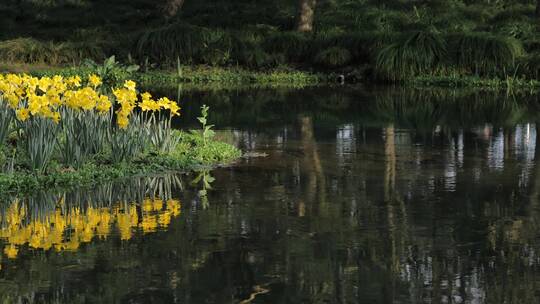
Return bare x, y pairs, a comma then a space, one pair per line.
294, 46
529, 66
160, 133
84, 136
200, 75
128, 143
29, 50
39, 141
6, 119
110, 71
251, 55
191, 44
414, 54
333, 57
484, 53
518, 30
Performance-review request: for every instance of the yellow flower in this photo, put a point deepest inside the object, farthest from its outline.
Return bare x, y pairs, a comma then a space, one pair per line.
165, 103
94, 80
174, 109
74, 81
55, 116
122, 122
22, 114
130, 85
44, 83
103, 104
147, 105
13, 100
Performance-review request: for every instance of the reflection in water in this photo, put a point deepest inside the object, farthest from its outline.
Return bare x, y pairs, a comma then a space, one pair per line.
67, 228
65, 221
205, 180
363, 197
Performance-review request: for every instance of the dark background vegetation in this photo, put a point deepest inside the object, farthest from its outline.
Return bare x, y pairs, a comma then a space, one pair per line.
389, 40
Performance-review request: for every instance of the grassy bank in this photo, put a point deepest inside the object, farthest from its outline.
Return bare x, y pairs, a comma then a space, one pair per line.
192, 76
235, 76
190, 153
206, 78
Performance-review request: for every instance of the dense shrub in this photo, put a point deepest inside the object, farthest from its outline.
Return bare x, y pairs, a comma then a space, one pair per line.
415, 53
484, 53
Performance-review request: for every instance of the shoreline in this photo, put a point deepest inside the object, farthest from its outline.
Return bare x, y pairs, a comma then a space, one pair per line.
207, 77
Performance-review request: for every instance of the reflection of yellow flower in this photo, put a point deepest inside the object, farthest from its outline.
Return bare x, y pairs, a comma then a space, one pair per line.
67, 231
11, 251
157, 204
149, 223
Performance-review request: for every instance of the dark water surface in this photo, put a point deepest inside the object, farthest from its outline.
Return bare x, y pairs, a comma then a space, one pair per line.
351, 196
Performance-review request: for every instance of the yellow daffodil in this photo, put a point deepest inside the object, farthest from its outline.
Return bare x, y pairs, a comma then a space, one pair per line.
23, 114
94, 80
130, 85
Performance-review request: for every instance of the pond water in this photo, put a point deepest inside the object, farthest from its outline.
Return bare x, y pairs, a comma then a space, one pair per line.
350, 195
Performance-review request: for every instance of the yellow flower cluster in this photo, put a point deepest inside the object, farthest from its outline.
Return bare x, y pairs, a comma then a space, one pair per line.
68, 231
43, 97
127, 99
149, 105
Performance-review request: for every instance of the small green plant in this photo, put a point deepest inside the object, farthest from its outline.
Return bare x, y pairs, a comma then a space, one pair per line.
207, 133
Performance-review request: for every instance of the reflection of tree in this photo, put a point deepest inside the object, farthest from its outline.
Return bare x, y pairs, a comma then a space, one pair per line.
420, 109
311, 163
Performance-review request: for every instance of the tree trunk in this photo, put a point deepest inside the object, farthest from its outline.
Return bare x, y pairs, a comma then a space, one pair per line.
171, 7
306, 14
